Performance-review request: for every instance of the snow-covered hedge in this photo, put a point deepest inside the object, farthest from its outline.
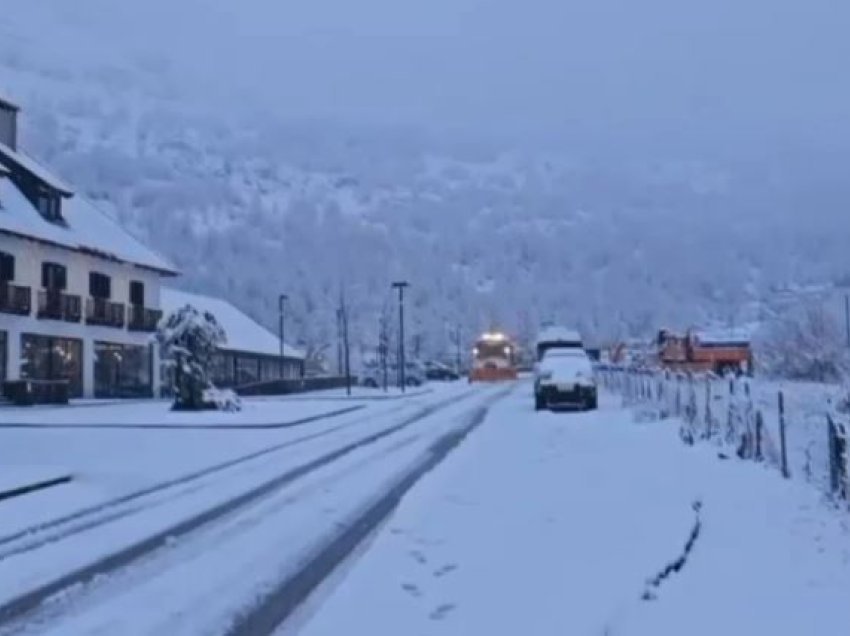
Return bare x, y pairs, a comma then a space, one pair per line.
746, 416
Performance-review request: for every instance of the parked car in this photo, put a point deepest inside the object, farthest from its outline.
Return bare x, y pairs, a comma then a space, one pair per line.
440, 372
372, 375
564, 378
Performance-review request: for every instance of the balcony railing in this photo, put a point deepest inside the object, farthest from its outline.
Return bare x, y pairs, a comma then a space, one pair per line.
57, 305
143, 319
15, 299
100, 311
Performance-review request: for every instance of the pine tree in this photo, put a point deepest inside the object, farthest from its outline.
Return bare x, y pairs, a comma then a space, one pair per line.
189, 339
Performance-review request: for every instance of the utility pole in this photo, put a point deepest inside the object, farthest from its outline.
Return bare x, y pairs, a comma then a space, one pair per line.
457, 350
400, 285
339, 341
281, 306
384, 345
342, 312
847, 317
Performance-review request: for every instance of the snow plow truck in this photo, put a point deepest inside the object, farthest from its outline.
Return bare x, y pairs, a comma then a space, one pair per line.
493, 358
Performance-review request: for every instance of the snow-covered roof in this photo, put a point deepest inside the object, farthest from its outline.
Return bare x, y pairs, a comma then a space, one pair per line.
566, 365
558, 334
9, 105
725, 336
243, 333
86, 229
36, 169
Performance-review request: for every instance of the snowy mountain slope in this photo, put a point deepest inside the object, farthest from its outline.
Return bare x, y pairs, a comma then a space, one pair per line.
249, 204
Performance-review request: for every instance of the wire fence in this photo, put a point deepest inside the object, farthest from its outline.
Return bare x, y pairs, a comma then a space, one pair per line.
801, 429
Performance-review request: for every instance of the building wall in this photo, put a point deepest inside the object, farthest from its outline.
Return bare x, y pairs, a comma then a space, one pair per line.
29, 255
8, 132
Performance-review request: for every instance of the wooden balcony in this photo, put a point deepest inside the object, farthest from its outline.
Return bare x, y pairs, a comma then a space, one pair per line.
104, 313
57, 305
143, 318
15, 299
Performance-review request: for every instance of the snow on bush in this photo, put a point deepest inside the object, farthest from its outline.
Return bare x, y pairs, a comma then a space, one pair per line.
189, 339
223, 399
804, 344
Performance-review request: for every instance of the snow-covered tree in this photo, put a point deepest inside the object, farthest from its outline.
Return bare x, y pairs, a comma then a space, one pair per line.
188, 340
806, 343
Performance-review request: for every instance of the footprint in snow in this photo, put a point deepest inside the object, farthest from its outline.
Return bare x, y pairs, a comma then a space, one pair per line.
412, 589
446, 569
420, 558
442, 611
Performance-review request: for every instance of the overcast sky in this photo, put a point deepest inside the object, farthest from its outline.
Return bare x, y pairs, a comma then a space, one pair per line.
532, 67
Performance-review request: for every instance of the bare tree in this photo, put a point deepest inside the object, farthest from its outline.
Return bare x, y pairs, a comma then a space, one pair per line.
804, 344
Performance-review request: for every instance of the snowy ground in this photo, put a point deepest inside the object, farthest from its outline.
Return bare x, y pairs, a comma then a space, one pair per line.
112, 462
539, 523
553, 523
159, 413
234, 560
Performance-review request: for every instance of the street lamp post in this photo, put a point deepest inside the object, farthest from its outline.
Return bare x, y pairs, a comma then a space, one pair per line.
281, 301
400, 285
457, 349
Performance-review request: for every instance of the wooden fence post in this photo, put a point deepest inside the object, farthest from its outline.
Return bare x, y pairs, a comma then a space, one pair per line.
783, 448
678, 395
837, 459
730, 412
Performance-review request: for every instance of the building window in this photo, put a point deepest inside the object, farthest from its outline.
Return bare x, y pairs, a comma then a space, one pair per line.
48, 358
137, 293
4, 357
247, 370
54, 276
222, 372
100, 286
7, 267
48, 204
270, 369
122, 371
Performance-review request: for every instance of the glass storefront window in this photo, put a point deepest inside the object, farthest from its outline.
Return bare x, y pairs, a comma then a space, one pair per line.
270, 369
122, 370
48, 358
4, 357
247, 370
222, 370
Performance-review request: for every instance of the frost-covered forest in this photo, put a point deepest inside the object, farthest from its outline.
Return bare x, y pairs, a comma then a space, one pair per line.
250, 204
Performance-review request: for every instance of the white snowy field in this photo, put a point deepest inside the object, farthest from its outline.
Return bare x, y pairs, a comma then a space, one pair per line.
806, 409
553, 523
199, 583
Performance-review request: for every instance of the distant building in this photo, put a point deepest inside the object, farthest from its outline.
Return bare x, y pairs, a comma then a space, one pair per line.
79, 296
251, 353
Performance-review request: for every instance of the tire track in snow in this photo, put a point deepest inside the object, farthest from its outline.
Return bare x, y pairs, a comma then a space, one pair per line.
28, 601
36, 536
272, 611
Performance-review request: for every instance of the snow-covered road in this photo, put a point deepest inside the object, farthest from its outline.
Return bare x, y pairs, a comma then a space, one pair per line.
538, 523
110, 463
307, 489
553, 524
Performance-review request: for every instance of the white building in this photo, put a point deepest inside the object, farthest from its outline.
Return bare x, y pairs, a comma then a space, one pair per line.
251, 354
79, 296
